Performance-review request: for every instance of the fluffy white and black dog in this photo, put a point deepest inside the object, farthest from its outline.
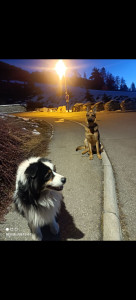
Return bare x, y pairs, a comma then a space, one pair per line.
38, 194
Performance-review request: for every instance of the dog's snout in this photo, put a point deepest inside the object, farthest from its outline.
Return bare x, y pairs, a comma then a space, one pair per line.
91, 120
63, 180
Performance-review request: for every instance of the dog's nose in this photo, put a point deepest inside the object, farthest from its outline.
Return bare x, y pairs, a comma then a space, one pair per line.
63, 180
90, 120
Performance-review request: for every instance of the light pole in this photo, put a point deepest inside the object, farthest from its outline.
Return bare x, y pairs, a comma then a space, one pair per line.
61, 69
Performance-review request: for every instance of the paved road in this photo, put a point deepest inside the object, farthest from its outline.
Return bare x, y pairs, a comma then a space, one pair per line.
118, 134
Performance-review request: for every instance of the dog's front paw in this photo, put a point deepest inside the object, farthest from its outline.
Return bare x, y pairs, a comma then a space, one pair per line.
99, 156
54, 228
36, 237
90, 157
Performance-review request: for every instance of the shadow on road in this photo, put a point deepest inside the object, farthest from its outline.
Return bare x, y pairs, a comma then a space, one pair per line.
68, 229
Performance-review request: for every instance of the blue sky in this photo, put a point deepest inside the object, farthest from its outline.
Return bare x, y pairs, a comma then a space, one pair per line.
125, 68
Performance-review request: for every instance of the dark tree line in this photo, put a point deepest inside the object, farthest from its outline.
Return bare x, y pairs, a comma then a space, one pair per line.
9, 72
102, 80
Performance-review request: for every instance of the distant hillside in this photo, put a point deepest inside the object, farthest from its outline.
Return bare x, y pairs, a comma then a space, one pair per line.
16, 85
54, 96
9, 72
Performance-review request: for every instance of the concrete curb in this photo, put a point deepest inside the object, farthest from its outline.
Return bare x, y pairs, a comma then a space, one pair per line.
111, 222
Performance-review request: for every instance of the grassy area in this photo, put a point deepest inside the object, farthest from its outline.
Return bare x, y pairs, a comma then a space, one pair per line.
18, 142
65, 115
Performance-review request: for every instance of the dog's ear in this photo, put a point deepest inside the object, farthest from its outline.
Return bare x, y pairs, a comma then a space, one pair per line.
87, 109
94, 109
31, 171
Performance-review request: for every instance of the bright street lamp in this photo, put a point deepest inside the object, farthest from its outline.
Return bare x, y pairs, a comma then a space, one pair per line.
61, 69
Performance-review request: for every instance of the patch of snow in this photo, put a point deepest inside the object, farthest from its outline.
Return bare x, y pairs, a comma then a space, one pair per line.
25, 119
35, 125
35, 132
17, 81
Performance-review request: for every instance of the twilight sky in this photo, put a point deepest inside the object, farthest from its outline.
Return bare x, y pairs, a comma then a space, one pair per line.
125, 68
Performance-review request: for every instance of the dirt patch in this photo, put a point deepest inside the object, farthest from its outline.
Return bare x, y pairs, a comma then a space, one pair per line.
19, 139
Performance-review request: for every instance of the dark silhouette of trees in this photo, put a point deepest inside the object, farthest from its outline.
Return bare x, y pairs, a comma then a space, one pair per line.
96, 79
133, 88
100, 80
103, 74
9, 72
110, 82
117, 83
123, 86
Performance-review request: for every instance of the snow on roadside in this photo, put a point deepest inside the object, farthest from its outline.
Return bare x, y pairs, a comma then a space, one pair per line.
35, 132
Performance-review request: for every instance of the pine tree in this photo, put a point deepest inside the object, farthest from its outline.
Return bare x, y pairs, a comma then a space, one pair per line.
103, 74
133, 88
123, 86
117, 83
97, 79
110, 82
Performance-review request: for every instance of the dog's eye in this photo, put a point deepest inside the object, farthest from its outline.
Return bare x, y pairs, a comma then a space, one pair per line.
48, 175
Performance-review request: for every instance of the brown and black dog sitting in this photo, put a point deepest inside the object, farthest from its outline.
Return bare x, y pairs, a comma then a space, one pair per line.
92, 136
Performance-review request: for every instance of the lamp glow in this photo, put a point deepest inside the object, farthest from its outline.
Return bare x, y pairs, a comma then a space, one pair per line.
60, 68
